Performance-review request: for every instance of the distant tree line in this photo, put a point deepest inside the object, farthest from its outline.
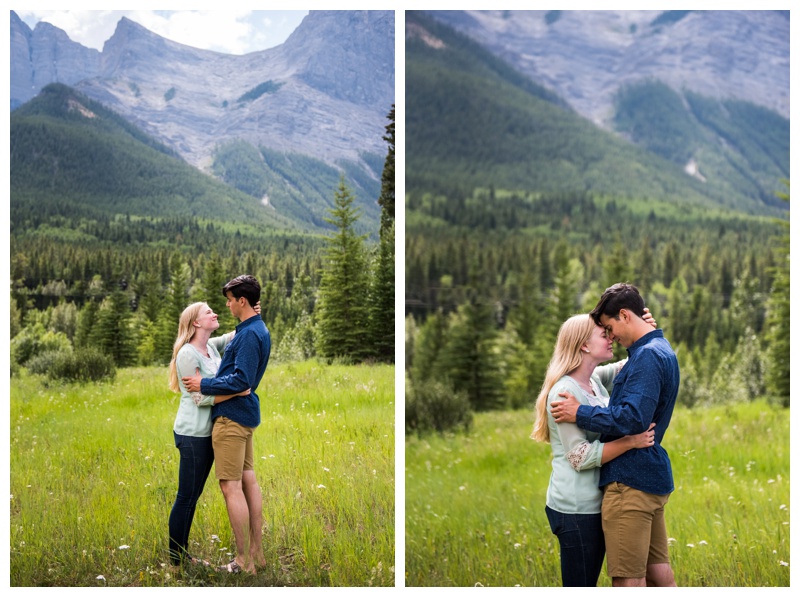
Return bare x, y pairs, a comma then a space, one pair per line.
113, 288
484, 302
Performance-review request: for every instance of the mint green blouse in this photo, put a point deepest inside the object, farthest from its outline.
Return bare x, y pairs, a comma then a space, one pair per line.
194, 411
577, 453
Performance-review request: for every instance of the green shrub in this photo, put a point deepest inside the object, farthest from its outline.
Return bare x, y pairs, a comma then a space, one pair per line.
80, 366
435, 406
34, 340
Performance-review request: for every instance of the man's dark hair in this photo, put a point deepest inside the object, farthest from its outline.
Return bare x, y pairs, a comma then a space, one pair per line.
244, 286
617, 297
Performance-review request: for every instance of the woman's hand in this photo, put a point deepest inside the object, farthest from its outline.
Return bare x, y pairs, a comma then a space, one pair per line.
648, 317
645, 439
257, 308
243, 393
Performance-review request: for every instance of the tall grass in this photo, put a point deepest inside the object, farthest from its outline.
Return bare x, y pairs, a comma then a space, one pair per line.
94, 473
475, 503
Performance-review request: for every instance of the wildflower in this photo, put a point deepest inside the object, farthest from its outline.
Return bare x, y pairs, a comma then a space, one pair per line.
690, 545
320, 486
517, 545
326, 469
703, 543
783, 507
782, 563
101, 577
124, 547
462, 488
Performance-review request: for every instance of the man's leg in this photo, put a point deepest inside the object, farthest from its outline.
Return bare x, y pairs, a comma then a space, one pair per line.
660, 575
252, 494
239, 515
230, 446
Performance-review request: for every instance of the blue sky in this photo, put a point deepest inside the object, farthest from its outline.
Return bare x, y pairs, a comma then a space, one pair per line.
227, 31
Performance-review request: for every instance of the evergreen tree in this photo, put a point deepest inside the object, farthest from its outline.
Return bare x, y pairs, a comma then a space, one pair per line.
342, 314
86, 321
212, 282
777, 323
469, 359
113, 333
381, 300
386, 200
428, 341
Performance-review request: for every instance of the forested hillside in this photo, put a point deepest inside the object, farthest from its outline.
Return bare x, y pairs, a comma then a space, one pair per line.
71, 156
112, 237
519, 214
472, 122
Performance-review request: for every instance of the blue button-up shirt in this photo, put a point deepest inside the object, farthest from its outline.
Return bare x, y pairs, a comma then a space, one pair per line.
644, 391
242, 367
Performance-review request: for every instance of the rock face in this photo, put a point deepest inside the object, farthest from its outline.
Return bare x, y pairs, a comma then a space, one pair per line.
325, 92
586, 56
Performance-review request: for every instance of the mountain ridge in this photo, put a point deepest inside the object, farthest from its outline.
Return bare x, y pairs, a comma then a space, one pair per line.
468, 129
189, 100
586, 56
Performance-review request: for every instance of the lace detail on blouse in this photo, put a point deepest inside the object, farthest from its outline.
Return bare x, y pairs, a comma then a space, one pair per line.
577, 456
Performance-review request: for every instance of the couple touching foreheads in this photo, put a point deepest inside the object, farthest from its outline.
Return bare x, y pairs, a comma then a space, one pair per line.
611, 478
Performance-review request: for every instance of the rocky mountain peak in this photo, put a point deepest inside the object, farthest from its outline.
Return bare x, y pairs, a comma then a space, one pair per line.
587, 55
324, 93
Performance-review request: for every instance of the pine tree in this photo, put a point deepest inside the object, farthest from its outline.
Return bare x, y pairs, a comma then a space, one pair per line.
468, 360
113, 333
381, 300
214, 278
342, 305
386, 200
777, 372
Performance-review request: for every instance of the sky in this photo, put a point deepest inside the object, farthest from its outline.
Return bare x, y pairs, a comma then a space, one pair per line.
227, 31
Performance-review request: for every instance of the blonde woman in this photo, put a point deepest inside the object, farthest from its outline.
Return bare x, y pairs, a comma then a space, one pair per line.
573, 496
195, 351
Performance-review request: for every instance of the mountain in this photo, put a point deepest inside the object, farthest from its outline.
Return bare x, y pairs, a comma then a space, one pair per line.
474, 120
587, 56
321, 98
70, 156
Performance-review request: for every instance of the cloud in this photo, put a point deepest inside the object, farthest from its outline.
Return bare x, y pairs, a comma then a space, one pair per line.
227, 31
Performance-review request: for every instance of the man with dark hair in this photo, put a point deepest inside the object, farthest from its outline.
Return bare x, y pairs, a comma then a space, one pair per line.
242, 366
637, 484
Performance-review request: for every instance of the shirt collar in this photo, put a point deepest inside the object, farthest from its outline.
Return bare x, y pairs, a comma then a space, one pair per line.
248, 321
644, 340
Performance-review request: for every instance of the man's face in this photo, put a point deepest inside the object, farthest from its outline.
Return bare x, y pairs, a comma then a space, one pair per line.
234, 304
616, 328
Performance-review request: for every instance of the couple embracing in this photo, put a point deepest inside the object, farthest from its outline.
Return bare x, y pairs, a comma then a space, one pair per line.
219, 410
611, 478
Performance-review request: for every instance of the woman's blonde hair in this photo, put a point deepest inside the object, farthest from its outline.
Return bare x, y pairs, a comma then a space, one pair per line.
574, 333
185, 333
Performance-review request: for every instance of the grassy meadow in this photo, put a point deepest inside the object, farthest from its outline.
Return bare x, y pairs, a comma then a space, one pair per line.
475, 503
94, 473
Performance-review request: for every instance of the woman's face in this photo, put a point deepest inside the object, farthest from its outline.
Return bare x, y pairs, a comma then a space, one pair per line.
599, 345
207, 319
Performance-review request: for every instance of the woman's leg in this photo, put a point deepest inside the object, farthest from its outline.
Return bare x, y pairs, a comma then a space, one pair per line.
196, 459
580, 537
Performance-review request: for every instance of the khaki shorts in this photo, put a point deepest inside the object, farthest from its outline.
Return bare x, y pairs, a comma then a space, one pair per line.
636, 535
233, 449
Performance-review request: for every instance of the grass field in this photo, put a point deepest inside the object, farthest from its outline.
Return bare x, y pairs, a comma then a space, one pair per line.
475, 503
94, 473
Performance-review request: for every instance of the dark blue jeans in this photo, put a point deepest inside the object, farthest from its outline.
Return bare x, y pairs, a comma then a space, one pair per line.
583, 546
197, 456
